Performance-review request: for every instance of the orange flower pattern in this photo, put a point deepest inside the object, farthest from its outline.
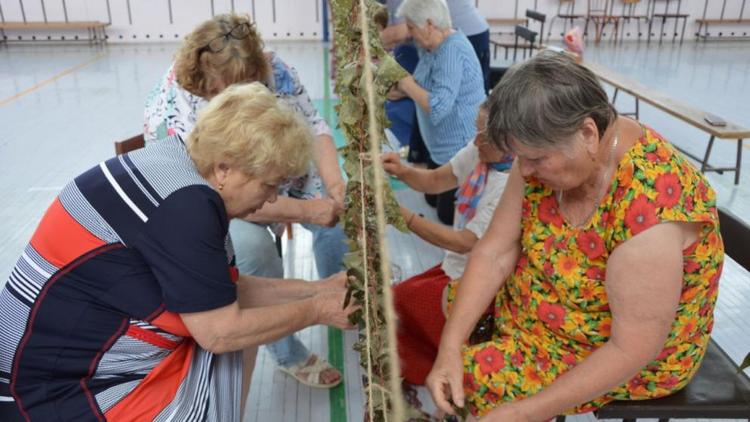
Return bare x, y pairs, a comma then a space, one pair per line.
553, 310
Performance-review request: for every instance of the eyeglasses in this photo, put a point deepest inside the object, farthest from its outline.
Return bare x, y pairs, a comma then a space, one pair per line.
219, 43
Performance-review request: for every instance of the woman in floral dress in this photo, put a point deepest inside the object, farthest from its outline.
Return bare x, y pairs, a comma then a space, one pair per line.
604, 251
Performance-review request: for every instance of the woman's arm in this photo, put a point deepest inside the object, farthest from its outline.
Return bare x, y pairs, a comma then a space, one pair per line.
392, 35
253, 291
492, 260
327, 163
231, 328
325, 155
644, 281
436, 180
440, 235
411, 88
323, 212
446, 79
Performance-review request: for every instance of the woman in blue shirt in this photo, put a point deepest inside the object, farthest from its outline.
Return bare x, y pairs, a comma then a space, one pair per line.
447, 86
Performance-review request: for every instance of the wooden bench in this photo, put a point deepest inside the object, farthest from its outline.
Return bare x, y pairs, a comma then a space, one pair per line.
96, 30
684, 112
718, 390
704, 21
703, 25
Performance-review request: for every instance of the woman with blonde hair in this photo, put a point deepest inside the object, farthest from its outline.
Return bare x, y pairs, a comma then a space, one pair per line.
125, 307
228, 49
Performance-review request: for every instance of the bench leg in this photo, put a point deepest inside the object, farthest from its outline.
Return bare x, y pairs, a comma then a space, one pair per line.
708, 154
682, 36
560, 418
661, 31
739, 162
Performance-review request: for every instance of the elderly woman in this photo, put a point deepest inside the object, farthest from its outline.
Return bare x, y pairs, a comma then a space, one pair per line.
447, 87
480, 170
225, 50
603, 257
123, 306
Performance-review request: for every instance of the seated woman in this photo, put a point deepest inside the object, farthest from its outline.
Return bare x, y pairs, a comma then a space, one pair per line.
221, 51
447, 88
125, 307
480, 171
603, 259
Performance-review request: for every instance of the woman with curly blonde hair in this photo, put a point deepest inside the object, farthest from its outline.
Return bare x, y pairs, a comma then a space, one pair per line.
228, 49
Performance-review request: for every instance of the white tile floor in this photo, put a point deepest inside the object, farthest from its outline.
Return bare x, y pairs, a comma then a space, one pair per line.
61, 107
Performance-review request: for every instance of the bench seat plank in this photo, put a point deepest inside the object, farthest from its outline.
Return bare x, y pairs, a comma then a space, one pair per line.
684, 112
723, 21
52, 25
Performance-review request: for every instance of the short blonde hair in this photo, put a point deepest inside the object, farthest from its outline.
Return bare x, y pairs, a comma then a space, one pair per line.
247, 128
201, 71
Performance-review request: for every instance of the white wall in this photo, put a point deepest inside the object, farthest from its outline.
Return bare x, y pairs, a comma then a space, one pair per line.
517, 8
161, 20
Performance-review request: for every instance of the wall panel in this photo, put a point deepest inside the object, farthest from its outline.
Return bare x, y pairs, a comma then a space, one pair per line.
151, 20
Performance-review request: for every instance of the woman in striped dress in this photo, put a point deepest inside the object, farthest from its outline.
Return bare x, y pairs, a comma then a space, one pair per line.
125, 307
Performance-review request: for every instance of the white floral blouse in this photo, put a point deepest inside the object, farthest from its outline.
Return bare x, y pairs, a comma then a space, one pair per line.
172, 110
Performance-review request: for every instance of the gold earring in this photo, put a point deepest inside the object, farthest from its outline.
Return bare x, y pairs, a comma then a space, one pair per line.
221, 186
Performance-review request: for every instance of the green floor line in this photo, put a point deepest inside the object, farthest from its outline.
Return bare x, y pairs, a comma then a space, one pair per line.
337, 395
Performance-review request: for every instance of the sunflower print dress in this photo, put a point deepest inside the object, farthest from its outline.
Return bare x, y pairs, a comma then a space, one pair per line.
553, 311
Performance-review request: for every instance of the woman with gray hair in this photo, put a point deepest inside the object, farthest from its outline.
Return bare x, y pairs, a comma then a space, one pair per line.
603, 257
447, 87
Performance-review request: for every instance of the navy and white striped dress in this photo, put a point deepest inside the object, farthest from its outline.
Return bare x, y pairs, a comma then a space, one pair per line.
89, 318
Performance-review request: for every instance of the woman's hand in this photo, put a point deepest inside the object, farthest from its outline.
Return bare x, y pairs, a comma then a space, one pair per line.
337, 193
395, 94
445, 380
323, 212
329, 306
392, 164
332, 283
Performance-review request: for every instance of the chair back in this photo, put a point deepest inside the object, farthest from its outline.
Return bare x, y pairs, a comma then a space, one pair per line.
599, 7
526, 34
736, 236
541, 18
569, 5
130, 144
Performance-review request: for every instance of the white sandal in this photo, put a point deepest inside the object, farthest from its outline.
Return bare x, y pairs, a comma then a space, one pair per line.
308, 373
